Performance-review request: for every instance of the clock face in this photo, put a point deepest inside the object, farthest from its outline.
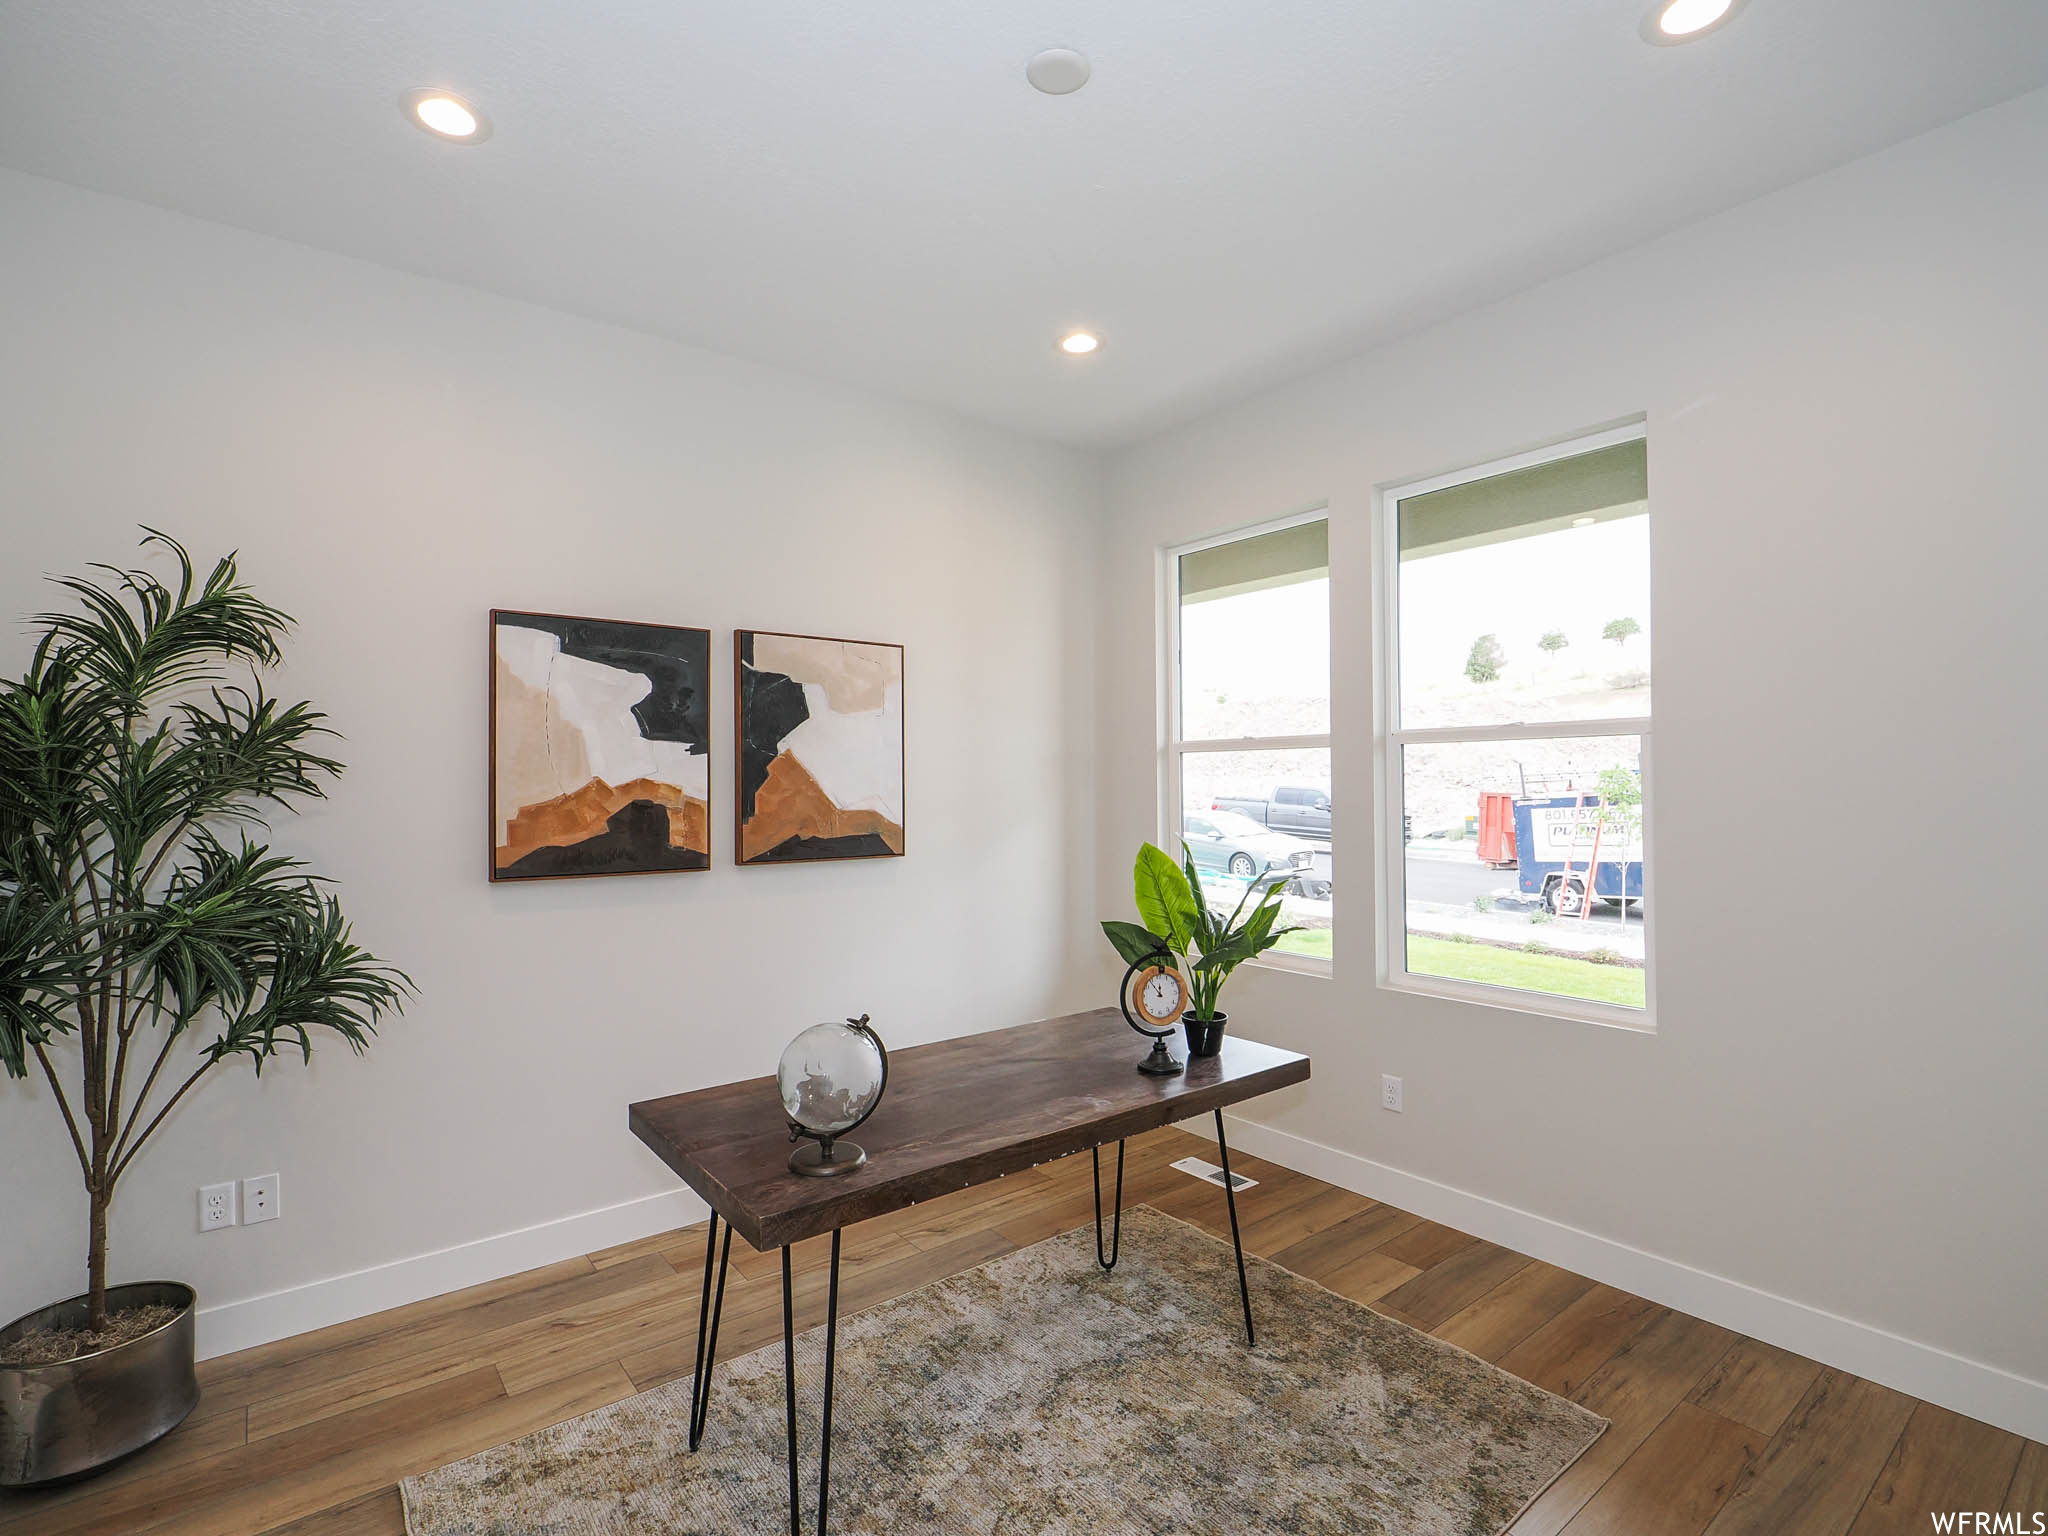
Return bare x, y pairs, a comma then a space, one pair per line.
1161, 996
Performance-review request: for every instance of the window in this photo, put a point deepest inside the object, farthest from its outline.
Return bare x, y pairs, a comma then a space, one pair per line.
1515, 646
1248, 753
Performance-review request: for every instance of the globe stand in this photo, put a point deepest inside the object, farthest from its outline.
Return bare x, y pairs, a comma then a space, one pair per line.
1161, 1062
823, 1154
826, 1158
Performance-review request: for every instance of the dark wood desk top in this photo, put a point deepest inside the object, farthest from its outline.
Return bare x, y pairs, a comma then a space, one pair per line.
957, 1112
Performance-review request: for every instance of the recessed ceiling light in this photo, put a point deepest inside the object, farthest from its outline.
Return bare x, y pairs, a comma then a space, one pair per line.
1681, 21
1079, 343
1682, 18
1584, 522
447, 116
1058, 71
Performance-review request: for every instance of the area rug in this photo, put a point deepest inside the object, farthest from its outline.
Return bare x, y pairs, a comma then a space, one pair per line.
1037, 1394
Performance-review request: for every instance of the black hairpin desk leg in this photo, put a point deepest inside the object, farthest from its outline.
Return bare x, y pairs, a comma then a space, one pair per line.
1244, 1289
707, 1336
1117, 1231
789, 1390
796, 1527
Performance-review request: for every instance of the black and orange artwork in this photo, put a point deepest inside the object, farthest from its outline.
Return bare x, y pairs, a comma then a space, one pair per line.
600, 747
820, 746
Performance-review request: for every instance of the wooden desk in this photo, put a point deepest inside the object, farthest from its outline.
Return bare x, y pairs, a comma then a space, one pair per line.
957, 1113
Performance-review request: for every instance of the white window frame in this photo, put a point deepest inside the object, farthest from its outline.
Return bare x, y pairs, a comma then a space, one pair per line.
1173, 748
1390, 739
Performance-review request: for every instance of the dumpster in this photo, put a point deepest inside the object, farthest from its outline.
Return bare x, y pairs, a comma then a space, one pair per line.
1497, 830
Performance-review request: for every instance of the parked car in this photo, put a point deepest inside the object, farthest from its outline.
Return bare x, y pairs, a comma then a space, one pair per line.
1294, 809
1239, 846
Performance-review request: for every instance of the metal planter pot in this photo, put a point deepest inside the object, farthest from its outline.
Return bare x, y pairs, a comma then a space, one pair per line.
62, 1420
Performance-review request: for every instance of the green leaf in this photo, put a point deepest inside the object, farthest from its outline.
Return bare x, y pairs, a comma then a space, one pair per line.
315, 976
1165, 903
1203, 925
1262, 918
1135, 944
1227, 944
1238, 911
140, 639
39, 962
1225, 957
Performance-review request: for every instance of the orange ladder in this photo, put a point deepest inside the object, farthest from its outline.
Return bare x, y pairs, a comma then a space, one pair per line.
1592, 855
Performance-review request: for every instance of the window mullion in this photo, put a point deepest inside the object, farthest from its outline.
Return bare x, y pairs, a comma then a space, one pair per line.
1542, 730
1255, 744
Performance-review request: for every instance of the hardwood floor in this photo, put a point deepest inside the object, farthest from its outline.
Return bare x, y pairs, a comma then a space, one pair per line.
1713, 1434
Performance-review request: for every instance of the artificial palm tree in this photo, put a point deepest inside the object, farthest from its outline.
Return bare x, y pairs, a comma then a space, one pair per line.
128, 924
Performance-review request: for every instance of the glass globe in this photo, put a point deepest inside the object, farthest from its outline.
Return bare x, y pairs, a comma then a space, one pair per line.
830, 1077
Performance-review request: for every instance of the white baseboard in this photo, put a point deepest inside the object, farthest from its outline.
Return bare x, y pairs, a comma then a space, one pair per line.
1967, 1386
234, 1325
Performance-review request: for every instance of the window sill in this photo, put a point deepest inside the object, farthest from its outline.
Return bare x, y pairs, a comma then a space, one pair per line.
1512, 1000
1299, 965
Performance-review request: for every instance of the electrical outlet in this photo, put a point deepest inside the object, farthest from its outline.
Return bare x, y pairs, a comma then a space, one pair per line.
1390, 1093
260, 1199
217, 1207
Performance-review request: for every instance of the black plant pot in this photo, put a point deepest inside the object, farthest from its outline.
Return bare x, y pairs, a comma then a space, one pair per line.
1205, 1036
74, 1416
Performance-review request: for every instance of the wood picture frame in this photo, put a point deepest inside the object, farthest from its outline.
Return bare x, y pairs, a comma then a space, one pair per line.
819, 748
600, 747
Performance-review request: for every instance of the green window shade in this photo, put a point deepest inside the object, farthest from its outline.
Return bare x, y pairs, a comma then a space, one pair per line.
1278, 559
1605, 484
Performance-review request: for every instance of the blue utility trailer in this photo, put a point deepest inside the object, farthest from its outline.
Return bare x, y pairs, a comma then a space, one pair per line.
1555, 841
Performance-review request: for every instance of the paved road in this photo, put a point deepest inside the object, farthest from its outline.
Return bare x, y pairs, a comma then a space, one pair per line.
1454, 880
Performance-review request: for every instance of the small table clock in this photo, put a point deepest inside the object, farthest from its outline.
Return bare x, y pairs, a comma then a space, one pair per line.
1153, 997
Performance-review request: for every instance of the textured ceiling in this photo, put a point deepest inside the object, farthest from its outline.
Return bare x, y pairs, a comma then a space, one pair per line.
867, 190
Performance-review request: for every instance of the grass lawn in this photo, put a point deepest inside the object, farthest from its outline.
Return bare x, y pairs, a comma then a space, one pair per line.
1312, 942
1559, 975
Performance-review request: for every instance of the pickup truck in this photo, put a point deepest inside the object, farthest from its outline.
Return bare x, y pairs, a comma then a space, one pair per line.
1300, 812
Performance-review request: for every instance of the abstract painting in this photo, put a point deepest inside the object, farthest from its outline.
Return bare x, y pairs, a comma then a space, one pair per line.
600, 747
821, 748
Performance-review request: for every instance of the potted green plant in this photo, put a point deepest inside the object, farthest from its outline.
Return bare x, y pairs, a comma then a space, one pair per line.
1206, 945
132, 930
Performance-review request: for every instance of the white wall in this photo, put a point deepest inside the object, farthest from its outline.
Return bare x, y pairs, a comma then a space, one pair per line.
1834, 1138
1841, 1110
395, 456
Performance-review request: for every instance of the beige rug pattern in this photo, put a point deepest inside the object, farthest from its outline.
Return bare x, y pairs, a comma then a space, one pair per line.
1037, 1394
